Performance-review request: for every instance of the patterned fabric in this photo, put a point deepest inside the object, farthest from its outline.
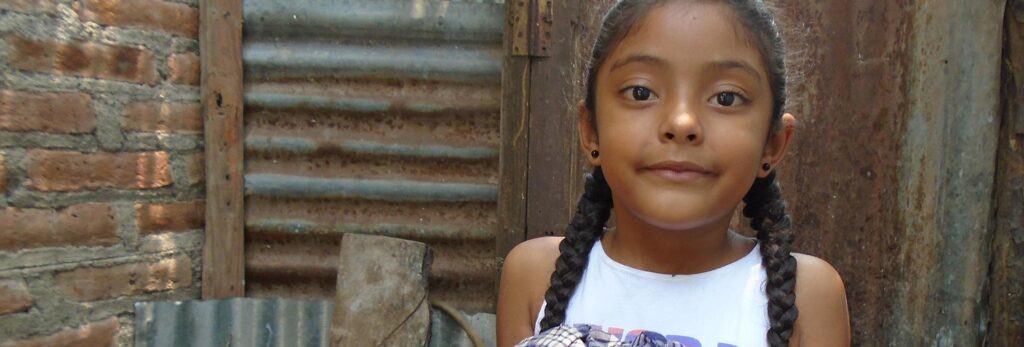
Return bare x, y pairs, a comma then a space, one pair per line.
583, 336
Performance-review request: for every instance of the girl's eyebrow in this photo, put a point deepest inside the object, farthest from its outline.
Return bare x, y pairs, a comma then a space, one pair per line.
720, 65
734, 64
638, 58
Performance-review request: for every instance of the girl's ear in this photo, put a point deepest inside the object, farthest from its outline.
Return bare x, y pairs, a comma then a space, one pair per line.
588, 134
778, 142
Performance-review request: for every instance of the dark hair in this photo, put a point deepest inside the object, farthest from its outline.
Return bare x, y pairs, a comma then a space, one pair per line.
763, 202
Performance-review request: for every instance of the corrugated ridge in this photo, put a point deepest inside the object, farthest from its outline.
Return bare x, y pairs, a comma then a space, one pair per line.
381, 19
427, 62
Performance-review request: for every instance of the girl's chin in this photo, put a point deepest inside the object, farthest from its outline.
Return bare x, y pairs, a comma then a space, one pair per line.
673, 220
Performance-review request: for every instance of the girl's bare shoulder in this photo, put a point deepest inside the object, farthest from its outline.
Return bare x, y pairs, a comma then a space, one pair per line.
525, 276
533, 260
824, 318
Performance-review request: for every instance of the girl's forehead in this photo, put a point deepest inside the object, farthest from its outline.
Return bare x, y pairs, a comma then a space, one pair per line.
688, 33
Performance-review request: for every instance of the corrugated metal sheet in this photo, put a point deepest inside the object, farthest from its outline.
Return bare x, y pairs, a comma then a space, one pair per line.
376, 117
233, 322
271, 323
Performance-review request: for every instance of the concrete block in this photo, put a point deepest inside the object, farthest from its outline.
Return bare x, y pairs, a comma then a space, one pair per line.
382, 293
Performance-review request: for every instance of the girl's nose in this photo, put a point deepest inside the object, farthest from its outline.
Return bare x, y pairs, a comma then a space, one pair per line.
682, 125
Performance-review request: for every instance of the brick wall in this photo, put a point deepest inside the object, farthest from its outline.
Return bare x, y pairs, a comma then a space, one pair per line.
101, 166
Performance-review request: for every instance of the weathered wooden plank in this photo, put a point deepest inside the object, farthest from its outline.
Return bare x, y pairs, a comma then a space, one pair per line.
554, 146
1006, 286
382, 292
220, 52
515, 86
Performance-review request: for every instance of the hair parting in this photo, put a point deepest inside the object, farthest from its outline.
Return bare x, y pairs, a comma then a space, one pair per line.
763, 202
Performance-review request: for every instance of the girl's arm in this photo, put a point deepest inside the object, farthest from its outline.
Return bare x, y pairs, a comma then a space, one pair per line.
524, 279
824, 318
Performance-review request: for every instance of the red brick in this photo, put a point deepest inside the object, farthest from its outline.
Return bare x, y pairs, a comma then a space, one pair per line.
3, 174
56, 170
96, 334
184, 68
49, 112
89, 284
14, 296
195, 166
163, 117
30, 6
173, 18
178, 216
85, 59
87, 224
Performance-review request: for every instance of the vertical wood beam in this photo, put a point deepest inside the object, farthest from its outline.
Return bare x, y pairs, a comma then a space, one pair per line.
220, 51
554, 144
515, 86
541, 169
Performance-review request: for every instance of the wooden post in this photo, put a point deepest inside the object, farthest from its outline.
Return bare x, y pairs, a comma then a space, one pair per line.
554, 151
515, 87
220, 50
541, 169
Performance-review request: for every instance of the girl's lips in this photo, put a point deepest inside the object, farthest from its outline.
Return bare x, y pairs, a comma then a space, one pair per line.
679, 171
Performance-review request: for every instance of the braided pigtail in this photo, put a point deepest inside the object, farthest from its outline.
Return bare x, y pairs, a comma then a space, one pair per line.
767, 213
587, 226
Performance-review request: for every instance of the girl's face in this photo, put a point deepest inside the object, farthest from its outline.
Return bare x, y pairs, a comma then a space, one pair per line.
683, 113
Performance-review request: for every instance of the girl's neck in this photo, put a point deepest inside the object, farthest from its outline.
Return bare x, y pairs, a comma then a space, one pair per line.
646, 247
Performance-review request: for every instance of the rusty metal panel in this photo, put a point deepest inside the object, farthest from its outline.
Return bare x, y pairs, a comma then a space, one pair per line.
378, 117
894, 186
842, 173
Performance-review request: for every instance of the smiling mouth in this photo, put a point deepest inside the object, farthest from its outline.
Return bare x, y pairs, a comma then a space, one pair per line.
679, 171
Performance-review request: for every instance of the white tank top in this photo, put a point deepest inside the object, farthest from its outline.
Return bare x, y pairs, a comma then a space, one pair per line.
724, 307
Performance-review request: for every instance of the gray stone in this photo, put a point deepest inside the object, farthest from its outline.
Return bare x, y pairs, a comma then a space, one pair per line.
382, 293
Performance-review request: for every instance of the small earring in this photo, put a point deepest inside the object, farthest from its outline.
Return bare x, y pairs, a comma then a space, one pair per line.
766, 167
594, 153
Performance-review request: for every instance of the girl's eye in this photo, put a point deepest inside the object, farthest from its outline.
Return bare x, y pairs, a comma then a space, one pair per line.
637, 93
728, 99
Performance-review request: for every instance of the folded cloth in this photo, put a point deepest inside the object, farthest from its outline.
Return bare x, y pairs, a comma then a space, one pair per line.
584, 336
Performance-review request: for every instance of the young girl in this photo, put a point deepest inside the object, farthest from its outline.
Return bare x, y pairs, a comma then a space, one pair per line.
683, 119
